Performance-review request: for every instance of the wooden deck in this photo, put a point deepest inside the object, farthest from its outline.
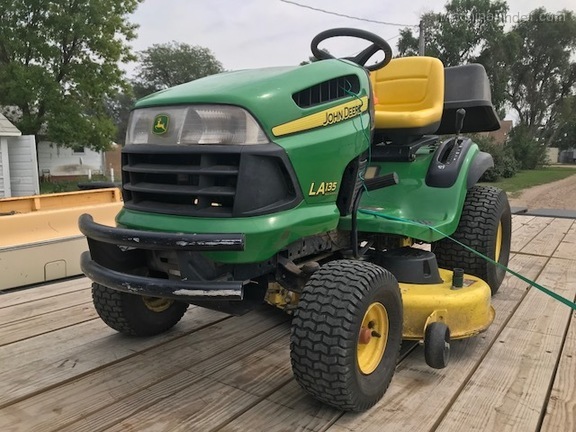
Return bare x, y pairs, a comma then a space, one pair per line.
63, 369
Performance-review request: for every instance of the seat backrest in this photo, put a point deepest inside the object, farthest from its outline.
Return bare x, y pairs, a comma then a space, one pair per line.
409, 95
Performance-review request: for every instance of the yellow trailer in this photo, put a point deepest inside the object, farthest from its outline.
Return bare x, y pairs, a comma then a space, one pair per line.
39, 236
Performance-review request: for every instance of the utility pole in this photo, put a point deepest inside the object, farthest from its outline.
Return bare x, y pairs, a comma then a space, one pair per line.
421, 38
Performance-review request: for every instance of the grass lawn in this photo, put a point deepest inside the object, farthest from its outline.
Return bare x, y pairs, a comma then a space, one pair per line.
47, 187
526, 179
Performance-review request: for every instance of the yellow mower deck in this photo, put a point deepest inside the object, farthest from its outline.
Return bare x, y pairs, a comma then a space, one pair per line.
466, 311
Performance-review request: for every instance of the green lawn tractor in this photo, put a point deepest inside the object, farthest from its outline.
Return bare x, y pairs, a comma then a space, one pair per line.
309, 187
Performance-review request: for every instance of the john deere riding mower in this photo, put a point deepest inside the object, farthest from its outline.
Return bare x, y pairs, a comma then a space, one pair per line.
308, 187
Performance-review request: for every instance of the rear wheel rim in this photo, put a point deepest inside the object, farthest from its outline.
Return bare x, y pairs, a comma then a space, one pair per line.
373, 338
156, 304
498, 246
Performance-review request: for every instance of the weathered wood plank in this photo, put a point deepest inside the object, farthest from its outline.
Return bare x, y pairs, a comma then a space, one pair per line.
202, 406
519, 220
527, 231
561, 409
418, 395
508, 391
108, 395
14, 297
43, 306
41, 324
567, 248
34, 364
288, 409
210, 402
547, 240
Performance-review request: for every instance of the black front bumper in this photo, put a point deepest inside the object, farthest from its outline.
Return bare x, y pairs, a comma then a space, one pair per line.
113, 250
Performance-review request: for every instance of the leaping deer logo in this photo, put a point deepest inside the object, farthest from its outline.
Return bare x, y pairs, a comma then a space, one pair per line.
160, 126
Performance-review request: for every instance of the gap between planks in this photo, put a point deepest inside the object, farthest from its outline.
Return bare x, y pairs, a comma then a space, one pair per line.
38, 292
125, 383
510, 388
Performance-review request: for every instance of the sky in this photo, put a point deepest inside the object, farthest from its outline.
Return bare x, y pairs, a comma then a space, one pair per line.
258, 33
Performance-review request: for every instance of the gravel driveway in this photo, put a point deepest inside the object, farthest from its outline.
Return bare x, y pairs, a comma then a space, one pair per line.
560, 194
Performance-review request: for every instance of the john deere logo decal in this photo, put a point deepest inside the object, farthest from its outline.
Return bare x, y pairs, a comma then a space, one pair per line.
160, 126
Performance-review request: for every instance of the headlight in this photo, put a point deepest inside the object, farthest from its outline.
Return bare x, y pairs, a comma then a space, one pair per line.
200, 124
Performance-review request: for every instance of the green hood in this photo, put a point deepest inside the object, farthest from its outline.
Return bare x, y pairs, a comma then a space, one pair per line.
266, 93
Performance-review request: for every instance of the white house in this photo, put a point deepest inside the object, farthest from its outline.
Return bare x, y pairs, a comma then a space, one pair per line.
60, 161
18, 167
7, 130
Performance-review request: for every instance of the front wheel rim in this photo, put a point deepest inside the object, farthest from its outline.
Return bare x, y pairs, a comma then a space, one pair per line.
373, 338
156, 304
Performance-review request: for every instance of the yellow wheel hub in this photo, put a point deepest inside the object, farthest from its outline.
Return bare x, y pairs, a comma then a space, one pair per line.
372, 338
156, 304
498, 247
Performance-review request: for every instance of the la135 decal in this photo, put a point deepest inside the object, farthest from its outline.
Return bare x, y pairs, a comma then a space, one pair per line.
323, 188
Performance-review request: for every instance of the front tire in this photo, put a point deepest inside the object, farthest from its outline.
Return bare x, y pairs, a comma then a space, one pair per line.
346, 334
485, 226
136, 315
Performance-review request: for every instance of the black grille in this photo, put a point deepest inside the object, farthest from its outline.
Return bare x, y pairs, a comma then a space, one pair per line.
327, 91
207, 181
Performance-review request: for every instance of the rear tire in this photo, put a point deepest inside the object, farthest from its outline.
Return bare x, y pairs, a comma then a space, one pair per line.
346, 334
136, 315
485, 226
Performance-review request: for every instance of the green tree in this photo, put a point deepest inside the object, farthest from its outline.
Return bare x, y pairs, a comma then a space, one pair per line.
118, 108
528, 150
166, 65
540, 57
539, 54
59, 60
566, 136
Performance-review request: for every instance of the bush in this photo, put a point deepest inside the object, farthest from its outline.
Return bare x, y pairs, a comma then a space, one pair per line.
527, 150
505, 165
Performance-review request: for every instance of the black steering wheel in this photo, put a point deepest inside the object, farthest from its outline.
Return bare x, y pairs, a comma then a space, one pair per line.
378, 44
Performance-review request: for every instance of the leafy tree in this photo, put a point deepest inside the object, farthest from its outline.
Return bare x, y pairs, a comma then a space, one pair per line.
59, 61
528, 150
566, 129
540, 54
118, 108
170, 64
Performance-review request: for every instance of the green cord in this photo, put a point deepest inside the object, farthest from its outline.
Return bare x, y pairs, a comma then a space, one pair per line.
364, 133
545, 290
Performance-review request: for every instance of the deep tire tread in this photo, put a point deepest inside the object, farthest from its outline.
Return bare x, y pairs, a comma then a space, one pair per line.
484, 208
325, 330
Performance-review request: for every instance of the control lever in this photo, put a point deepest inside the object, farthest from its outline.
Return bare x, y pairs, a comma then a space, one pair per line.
460, 115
